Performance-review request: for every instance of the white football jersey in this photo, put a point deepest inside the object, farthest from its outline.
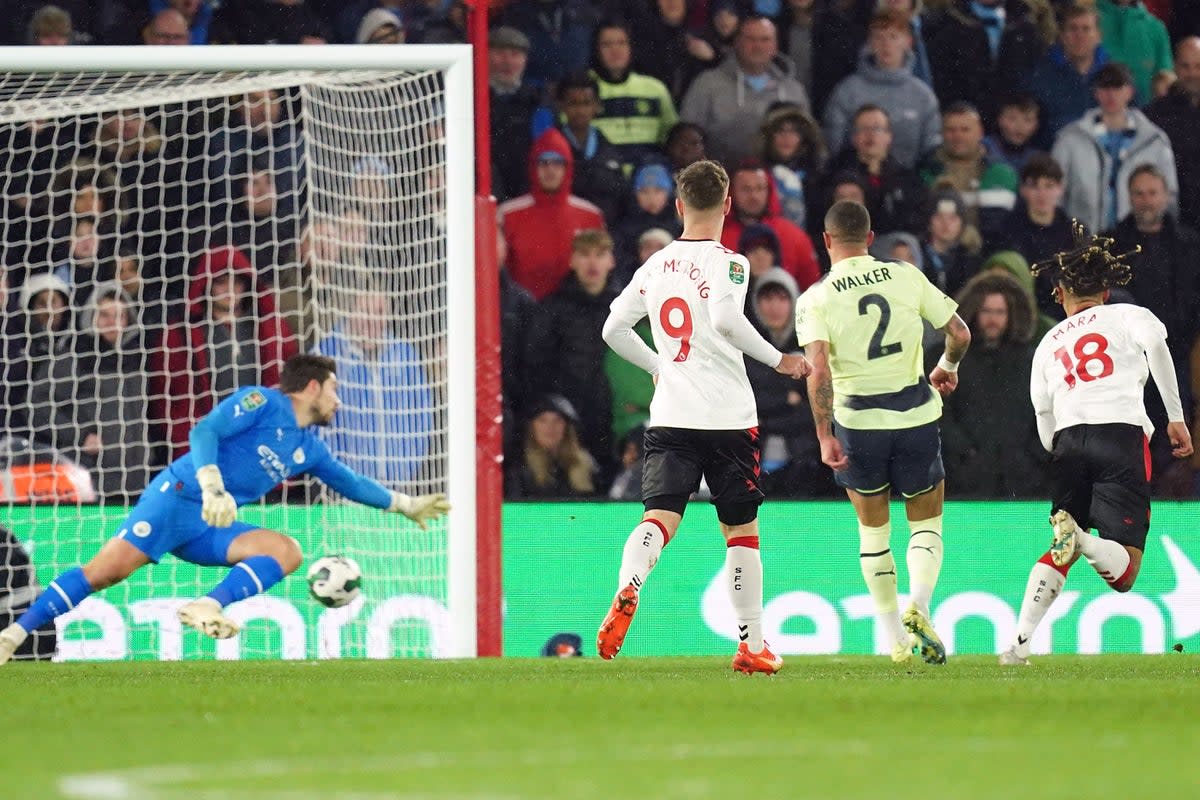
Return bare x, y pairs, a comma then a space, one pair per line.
1091, 368
702, 381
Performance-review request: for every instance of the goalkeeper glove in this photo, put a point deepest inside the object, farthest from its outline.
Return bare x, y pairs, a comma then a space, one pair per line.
419, 508
219, 508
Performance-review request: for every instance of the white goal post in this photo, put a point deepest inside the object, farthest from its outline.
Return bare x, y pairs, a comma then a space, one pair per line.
337, 180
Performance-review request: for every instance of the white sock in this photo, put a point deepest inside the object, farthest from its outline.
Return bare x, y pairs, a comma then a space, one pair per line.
924, 560
1108, 558
743, 571
1045, 583
642, 549
879, 571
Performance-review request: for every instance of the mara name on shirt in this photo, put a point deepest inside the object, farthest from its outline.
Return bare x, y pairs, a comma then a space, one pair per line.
1091, 368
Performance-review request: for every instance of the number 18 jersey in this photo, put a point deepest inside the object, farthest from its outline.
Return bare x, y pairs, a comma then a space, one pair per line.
702, 381
1091, 369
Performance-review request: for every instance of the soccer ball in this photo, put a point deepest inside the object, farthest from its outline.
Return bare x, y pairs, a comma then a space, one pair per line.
334, 581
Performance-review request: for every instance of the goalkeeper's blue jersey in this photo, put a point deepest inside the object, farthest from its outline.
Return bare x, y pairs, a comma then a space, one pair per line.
253, 439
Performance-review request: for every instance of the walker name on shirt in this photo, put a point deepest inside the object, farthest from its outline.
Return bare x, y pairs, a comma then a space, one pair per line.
1071, 324
693, 273
866, 279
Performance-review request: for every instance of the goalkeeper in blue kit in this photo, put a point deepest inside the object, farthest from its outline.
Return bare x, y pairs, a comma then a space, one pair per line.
251, 442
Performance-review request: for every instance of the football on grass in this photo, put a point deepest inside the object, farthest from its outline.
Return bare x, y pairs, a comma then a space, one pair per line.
334, 581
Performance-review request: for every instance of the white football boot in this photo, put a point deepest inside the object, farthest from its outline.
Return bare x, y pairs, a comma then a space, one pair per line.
1010, 658
1065, 543
903, 651
205, 615
11, 638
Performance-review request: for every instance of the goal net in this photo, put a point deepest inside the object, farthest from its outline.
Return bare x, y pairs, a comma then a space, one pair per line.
175, 230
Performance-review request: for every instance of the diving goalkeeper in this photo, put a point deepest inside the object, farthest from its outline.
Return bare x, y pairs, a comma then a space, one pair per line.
251, 442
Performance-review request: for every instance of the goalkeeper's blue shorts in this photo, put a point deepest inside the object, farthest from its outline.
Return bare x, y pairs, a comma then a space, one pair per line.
165, 522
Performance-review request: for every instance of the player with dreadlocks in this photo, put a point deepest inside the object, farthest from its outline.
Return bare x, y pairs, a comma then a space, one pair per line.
1089, 373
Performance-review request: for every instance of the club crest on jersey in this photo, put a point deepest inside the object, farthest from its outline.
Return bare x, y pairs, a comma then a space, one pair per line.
298, 456
737, 273
254, 400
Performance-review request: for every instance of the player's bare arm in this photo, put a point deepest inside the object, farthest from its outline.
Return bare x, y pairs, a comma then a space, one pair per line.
944, 376
820, 395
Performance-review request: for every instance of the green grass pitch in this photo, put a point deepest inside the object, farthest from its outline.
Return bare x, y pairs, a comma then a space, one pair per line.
831, 728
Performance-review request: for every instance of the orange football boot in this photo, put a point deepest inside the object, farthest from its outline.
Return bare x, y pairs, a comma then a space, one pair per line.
616, 624
763, 661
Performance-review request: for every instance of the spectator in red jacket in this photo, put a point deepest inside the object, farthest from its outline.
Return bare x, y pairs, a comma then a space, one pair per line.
755, 200
231, 336
540, 226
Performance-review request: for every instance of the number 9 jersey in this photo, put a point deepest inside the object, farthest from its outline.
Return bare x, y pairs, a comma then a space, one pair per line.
1091, 368
702, 381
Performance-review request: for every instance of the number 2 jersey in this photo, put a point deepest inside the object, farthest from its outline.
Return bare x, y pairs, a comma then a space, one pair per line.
870, 313
1091, 369
702, 381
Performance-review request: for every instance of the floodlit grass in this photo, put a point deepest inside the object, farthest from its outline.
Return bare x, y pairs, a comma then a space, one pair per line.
836, 728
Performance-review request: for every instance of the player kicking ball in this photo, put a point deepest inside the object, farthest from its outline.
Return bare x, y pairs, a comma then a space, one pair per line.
703, 418
877, 415
251, 442
1089, 375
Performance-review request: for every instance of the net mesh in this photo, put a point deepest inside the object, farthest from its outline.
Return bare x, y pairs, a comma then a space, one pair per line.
170, 237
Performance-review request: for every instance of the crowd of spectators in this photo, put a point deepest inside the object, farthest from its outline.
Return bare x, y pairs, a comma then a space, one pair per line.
973, 130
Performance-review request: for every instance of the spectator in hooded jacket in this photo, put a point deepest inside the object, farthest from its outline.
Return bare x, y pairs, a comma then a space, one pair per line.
1061, 81
793, 149
1135, 37
990, 439
231, 336
884, 78
386, 416
978, 48
728, 101
39, 334
893, 193
653, 191
637, 111
754, 200
1099, 151
791, 456
540, 226
599, 172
